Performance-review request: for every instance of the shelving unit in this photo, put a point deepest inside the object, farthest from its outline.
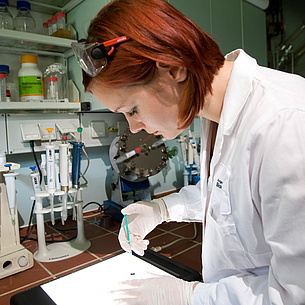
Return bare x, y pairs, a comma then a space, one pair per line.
41, 45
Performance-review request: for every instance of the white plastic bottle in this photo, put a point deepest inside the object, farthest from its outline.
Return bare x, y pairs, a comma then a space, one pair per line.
30, 79
24, 21
6, 18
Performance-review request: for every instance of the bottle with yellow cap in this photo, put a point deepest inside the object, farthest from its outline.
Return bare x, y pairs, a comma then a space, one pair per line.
30, 79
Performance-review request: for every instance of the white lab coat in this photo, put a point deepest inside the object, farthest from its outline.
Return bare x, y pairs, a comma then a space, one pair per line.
254, 240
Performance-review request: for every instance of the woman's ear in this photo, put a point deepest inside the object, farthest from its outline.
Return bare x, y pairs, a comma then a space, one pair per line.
178, 74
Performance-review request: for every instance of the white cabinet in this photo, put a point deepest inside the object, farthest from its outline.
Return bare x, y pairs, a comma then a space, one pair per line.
3, 142
21, 128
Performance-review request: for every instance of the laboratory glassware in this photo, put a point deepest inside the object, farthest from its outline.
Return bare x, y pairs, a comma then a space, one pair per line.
6, 18
24, 21
55, 89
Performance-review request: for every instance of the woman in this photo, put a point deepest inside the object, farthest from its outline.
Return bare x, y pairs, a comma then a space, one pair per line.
147, 60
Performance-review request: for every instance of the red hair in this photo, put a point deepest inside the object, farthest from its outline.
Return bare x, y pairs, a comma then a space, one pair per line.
158, 33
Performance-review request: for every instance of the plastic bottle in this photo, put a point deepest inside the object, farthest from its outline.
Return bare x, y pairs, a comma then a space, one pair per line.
6, 18
61, 21
50, 29
2, 87
45, 28
30, 79
54, 24
4, 69
24, 21
53, 86
11, 87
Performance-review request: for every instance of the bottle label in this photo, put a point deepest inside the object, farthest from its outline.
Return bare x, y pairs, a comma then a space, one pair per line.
30, 86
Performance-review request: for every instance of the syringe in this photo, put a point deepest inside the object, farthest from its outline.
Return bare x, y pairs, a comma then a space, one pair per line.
51, 184
64, 175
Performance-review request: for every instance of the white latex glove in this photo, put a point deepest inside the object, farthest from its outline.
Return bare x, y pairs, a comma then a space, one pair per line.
142, 218
158, 290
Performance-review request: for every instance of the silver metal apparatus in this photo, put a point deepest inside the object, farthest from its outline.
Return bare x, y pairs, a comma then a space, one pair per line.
134, 158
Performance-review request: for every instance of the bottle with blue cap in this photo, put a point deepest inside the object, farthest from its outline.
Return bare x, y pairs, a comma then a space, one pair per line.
6, 18
24, 21
11, 87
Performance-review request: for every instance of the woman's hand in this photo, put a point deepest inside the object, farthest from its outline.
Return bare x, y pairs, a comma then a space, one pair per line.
158, 290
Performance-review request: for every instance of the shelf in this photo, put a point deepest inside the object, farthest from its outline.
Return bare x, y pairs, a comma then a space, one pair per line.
35, 43
51, 6
39, 106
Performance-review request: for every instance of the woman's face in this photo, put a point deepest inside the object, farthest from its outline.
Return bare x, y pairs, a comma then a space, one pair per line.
152, 107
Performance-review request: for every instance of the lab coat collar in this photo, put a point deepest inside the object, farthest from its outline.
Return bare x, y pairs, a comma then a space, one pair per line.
238, 89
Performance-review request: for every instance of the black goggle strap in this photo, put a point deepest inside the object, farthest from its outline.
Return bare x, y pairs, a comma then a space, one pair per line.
100, 52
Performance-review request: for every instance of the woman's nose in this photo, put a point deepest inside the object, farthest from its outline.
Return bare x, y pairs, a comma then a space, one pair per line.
134, 125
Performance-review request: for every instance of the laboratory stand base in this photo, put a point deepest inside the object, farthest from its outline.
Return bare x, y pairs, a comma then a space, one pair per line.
61, 250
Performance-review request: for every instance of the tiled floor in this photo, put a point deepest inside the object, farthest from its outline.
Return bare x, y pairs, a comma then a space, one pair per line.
104, 244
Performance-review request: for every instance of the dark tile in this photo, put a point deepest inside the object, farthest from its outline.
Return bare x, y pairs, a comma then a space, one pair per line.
190, 258
168, 226
105, 245
165, 240
189, 231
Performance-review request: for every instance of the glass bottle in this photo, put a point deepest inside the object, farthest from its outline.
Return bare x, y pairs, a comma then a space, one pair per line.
6, 18
24, 21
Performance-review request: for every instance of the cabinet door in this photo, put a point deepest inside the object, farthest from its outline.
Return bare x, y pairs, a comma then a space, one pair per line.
3, 142
254, 31
197, 11
226, 26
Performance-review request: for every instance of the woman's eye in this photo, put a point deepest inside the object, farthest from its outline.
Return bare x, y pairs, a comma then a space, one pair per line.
133, 111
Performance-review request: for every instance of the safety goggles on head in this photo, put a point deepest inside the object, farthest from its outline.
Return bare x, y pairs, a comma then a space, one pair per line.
92, 57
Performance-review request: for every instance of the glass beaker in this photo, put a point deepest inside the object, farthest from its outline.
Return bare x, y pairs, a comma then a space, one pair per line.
59, 72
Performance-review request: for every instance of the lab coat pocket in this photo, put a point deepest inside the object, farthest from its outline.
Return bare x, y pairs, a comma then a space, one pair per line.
223, 249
